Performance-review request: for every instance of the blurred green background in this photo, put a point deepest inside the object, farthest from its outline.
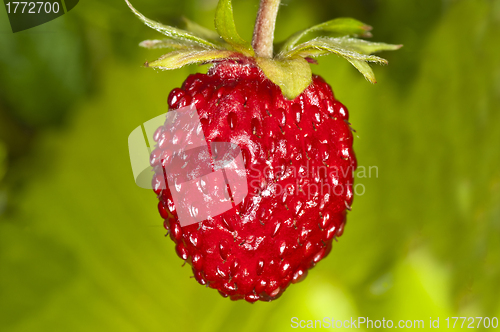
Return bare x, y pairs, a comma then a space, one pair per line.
82, 248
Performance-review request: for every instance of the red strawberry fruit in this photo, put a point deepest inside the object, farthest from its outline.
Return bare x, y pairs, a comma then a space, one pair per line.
294, 137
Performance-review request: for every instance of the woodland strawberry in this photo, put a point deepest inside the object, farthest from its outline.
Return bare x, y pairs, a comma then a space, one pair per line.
296, 143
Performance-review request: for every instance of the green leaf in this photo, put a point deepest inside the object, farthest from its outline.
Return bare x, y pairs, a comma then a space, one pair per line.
293, 76
225, 26
178, 59
171, 32
338, 27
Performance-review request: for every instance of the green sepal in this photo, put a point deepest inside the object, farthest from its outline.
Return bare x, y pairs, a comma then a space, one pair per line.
225, 26
338, 27
181, 58
173, 44
201, 31
356, 51
365, 69
366, 47
171, 32
289, 69
293, 76
344, 47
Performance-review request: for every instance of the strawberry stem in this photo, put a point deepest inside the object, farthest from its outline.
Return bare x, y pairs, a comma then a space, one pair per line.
263, 34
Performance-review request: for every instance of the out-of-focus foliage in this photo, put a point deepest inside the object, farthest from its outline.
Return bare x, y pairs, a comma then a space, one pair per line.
82, 248
43, 70
3, 160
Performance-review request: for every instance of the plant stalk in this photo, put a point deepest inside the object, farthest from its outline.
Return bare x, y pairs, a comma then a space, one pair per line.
263, 34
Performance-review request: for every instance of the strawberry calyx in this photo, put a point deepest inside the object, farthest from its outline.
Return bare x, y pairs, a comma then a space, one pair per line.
289, 67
